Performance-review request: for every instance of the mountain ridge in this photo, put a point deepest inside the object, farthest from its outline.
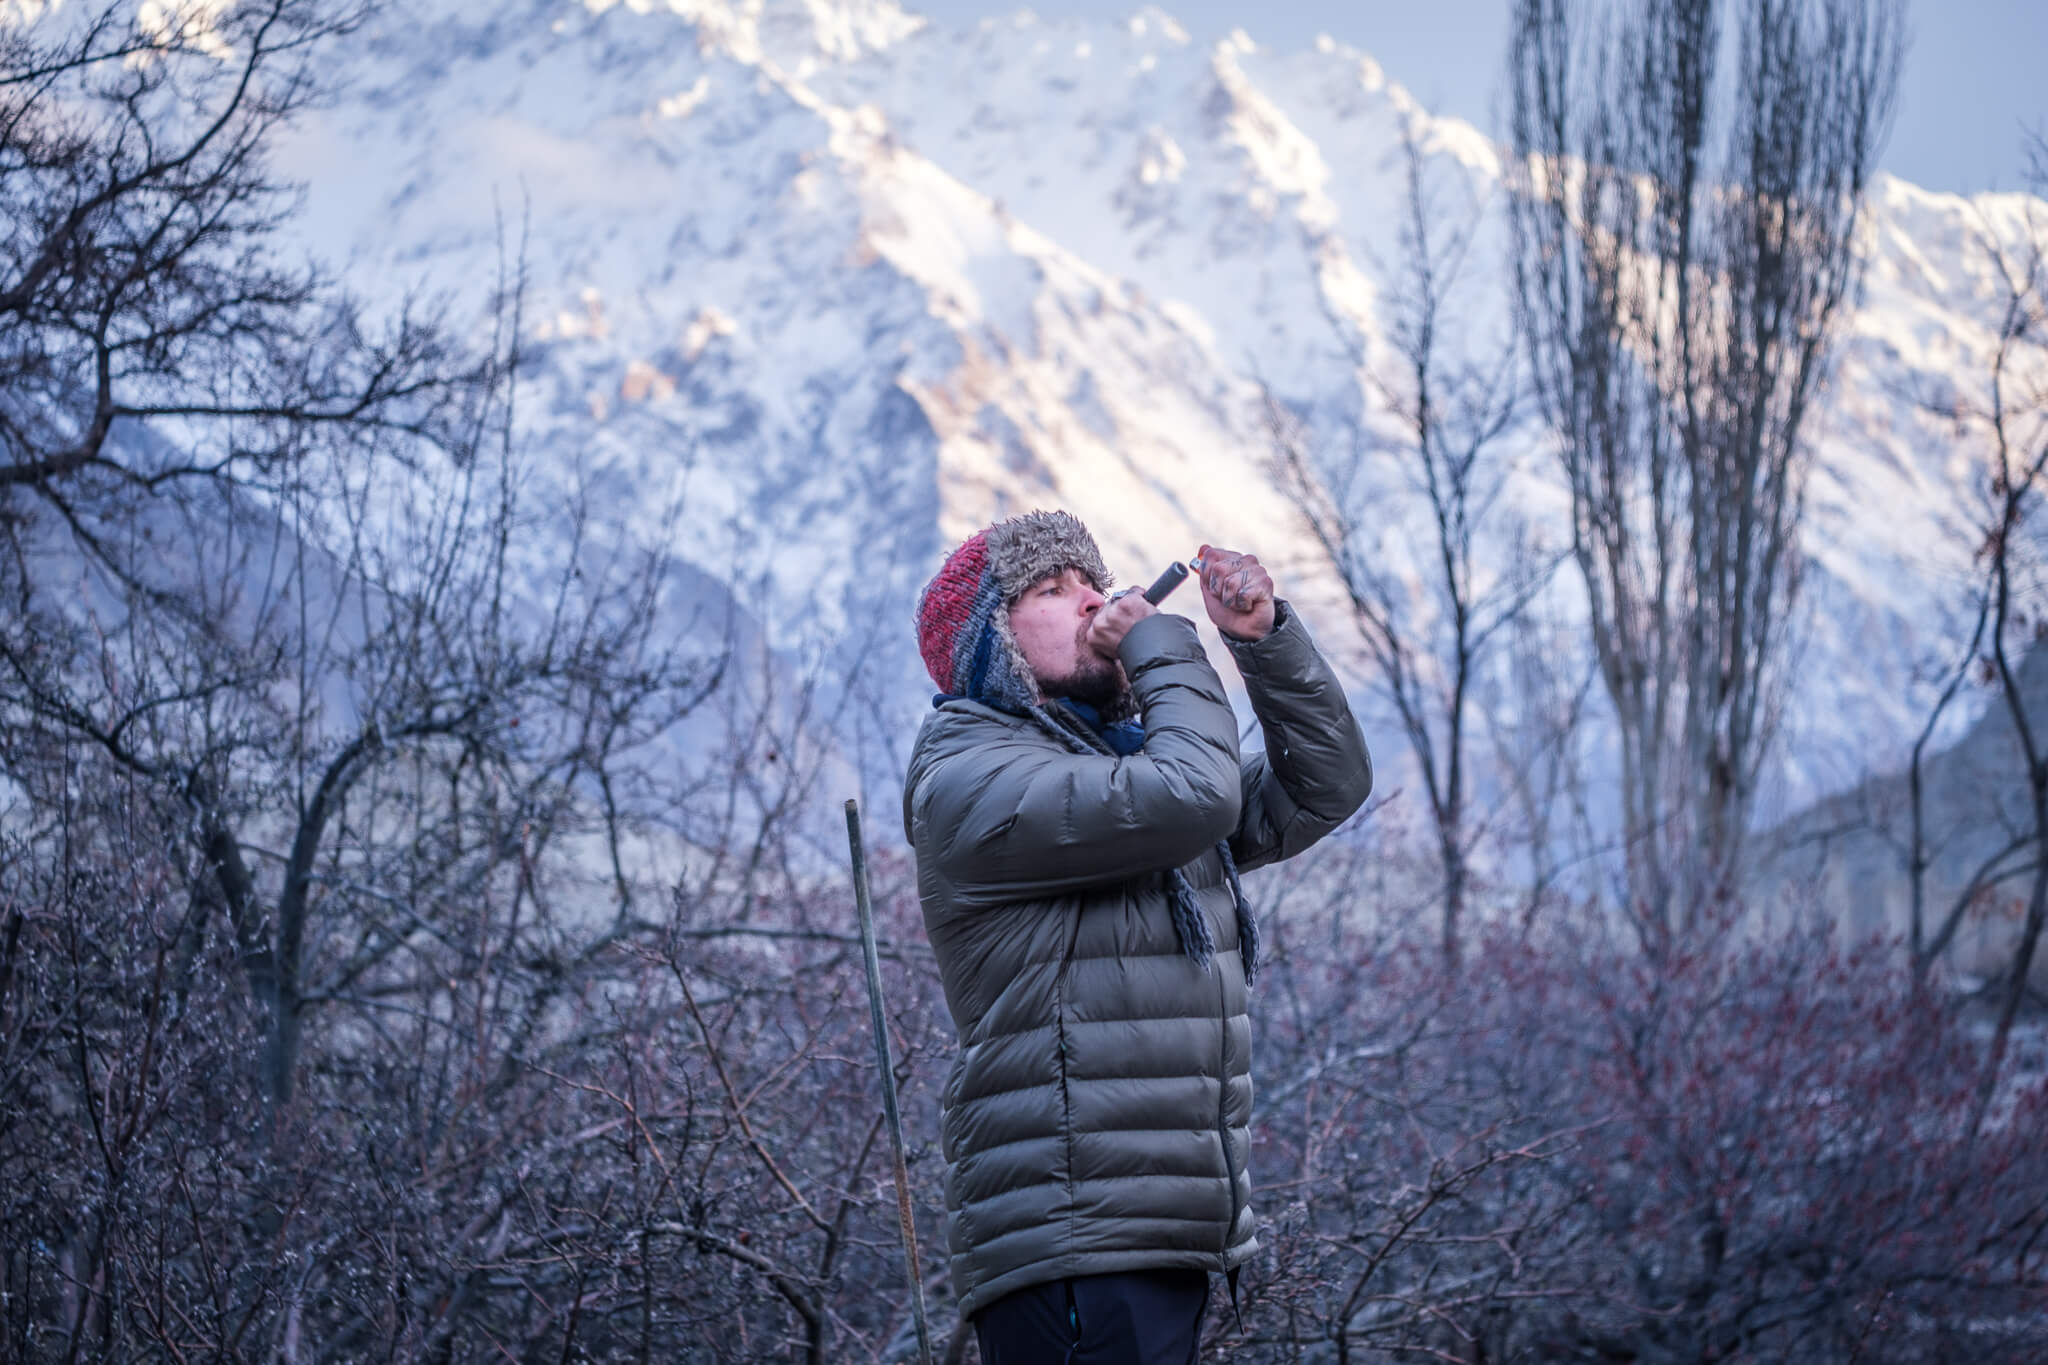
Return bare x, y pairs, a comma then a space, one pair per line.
858, 283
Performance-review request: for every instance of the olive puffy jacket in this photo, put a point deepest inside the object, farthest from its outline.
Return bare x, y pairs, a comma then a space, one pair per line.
1097, 1117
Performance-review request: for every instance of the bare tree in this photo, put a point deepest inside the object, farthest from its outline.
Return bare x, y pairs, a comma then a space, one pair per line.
2008, 411
175, 399
292, 722
1684, 244
393, 960
1538, 740
1448, 402
1968, 826
140, 280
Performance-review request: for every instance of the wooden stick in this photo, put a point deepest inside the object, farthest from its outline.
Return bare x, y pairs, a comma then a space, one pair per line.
888, 1066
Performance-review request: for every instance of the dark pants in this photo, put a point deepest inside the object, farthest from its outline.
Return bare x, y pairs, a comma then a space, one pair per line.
1139, 1317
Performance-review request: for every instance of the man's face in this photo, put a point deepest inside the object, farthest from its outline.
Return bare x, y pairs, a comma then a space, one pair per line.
1051, 623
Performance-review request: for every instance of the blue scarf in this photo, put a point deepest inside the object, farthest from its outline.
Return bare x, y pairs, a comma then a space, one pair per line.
1124, 737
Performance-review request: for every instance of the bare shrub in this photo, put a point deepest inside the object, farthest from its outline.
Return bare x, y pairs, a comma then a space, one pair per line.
1761, 1151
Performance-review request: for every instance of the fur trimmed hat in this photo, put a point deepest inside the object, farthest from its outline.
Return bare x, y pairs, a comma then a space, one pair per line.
963, 615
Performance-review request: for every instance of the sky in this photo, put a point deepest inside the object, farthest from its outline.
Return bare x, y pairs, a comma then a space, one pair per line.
1971, 88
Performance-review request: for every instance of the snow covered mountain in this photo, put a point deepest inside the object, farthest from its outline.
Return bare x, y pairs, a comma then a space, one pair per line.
853, 283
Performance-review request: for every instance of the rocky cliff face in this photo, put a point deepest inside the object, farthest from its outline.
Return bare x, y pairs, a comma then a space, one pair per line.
850, 284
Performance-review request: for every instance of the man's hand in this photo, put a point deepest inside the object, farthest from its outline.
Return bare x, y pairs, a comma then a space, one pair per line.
1107, 628
1237, 592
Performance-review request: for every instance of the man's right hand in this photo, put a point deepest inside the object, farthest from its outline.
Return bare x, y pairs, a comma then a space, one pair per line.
1107, 628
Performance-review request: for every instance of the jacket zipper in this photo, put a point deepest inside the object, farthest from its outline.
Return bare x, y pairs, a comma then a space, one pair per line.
1222, 1101
1066, 1096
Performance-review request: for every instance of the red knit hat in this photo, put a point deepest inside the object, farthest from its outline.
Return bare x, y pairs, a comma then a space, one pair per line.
963, 615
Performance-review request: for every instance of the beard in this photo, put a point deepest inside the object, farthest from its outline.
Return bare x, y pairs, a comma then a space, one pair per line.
1095, 680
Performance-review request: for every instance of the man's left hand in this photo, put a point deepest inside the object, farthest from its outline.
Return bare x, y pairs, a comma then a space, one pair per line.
1238, 593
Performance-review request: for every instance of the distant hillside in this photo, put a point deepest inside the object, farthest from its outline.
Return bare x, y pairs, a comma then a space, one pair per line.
1848, 856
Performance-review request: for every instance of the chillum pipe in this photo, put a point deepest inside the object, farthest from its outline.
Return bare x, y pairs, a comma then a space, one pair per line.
1176, 573
889, 1110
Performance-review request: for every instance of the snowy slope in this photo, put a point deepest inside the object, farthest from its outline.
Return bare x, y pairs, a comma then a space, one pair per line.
851, 284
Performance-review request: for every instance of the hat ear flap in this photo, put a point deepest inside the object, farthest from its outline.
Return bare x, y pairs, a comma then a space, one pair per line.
1008, 679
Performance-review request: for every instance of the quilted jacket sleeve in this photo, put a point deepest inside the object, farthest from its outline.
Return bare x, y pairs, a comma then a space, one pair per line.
1315, 772
1016, 818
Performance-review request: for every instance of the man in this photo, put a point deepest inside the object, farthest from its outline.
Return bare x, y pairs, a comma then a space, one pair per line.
1079, 812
